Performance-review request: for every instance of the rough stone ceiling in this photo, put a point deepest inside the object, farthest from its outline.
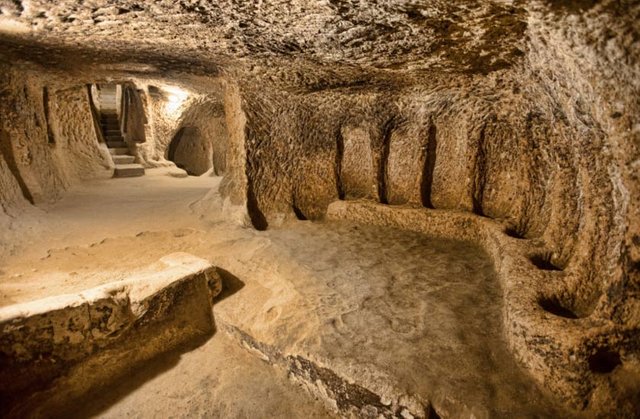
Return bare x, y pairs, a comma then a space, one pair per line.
309, 45
356, 36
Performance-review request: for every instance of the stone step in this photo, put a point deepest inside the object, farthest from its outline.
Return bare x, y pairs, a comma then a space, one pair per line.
120, 151
116, 144
114, 138
123, 159
128, 170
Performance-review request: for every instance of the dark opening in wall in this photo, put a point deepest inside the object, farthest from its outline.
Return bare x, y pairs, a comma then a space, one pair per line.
338, 163
480, 172
429, 167
515, 232
175, 142
566, 302
298, 212
432, 413
604, 361
258, 220
45, 105
126, 104
543, 261
553, 306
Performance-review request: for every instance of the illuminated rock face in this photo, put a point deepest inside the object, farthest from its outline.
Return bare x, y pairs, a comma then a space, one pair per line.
526, 115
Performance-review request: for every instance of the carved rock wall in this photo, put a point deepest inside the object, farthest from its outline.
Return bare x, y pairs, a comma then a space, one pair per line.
524, 114
48, 138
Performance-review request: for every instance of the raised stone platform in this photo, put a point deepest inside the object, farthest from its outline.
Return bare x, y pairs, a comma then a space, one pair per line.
579, 357
55, 350
382, 322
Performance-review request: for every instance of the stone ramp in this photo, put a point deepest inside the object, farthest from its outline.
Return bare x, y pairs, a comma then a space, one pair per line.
59, 348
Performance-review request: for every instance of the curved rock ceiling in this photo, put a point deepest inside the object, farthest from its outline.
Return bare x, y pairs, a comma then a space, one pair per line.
399, 35
319, 44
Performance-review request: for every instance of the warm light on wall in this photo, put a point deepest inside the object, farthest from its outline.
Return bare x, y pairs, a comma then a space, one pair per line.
175, 98
12, 26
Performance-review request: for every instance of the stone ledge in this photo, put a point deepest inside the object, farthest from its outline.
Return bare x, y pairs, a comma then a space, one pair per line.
58, 348
339, 393
558, 352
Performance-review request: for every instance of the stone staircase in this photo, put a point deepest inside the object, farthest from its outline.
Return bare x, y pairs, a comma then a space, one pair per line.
122, 157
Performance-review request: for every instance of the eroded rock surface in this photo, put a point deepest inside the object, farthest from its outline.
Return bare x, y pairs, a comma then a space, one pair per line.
524, 113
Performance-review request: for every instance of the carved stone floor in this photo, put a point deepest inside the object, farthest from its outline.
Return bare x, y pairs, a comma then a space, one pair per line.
371, 320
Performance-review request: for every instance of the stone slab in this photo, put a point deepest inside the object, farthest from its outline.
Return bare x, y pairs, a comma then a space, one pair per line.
79, 341
128, 170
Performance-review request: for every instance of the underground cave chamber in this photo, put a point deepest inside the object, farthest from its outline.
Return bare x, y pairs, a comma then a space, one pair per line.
319, 209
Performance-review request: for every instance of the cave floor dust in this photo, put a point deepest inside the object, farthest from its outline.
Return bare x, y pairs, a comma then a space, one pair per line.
403, 312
